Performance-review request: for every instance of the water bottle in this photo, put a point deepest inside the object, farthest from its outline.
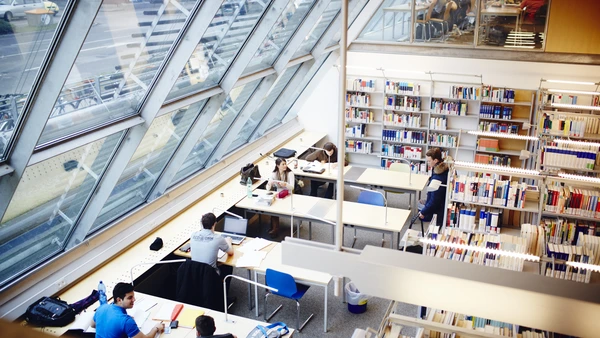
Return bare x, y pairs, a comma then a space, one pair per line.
249, 188
102, 293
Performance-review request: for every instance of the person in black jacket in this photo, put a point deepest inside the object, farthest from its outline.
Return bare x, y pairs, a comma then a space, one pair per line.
435, 202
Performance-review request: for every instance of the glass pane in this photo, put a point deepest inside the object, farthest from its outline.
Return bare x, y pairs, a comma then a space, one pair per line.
222, 41
315, 34
391, 22
121, 55
218, 126
294, 96
47, 205
513, 24
148, 161
257, 116
352, 15
280, 34
23, 48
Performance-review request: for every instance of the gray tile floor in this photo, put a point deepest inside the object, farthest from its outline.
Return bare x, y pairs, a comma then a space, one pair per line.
341, 322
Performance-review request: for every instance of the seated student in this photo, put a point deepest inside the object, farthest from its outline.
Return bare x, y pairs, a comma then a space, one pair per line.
205, 328
205, 245
112, 320
324, 156
531, 7
434, 204
280, 173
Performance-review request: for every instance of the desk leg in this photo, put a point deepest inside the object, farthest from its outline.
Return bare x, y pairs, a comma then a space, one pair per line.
309, 231
325, 310
391, 239
250, 291
255, 293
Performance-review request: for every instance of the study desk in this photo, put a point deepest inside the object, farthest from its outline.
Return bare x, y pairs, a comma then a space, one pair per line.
303, 276
404, 9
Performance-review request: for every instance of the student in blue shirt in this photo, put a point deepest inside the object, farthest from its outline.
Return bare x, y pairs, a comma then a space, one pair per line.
205, 328
112, 320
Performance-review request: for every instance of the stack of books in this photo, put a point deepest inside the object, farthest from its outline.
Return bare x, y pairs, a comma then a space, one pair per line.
488, 144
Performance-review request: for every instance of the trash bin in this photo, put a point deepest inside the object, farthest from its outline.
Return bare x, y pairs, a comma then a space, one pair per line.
39, 17
357, 302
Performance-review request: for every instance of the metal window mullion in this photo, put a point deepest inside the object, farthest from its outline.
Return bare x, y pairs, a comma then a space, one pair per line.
367, 12
159, 90
253, 43
307, 25
70, 36
282, 99
185, 148
319, 48
250, 107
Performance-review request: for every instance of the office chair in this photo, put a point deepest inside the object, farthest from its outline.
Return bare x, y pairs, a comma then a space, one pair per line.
287, 288
372, 198
443, 21
402, 168
199, 284
425, 22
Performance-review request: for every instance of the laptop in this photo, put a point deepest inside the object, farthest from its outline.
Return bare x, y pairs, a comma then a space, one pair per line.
235, 228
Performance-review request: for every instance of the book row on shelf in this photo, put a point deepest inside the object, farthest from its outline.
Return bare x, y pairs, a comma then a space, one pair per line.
565, 124
577, 156
464, 218
570, 200
495, 112
559, 98
407, 103
360, 85
402, 120
408, 152
356, 146
566, 254
564, 231
488, 144
467, 93
502, 95
415, 167
354, 114
467, 322
411, 136
502, 160
406, 88
495, 127
443, 140
358, 130
491, 190
449, 107
358, 99
438, 123
494, 250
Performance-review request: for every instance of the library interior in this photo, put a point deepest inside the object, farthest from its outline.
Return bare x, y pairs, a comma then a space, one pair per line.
397, 168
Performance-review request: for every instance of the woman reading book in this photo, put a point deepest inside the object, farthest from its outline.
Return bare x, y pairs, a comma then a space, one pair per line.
327, 155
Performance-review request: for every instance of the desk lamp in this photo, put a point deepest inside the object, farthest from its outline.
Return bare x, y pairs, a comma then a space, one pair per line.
307, 215
409, 169
375, 191
228, 213
245, 281
157, 262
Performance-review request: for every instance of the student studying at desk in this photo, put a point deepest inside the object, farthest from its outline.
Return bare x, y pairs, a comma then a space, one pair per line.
285, 174
112, 320
328, 155
205, 245
205, 328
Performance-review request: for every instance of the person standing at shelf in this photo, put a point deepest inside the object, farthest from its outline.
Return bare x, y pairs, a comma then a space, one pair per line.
205, 245
112, 320
324, 156
285, 174
205, 328
435, 202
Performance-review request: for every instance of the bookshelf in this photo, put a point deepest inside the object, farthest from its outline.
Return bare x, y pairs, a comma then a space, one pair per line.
568, 123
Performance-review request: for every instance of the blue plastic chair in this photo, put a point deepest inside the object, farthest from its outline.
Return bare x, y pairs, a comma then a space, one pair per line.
288, 288
372, 198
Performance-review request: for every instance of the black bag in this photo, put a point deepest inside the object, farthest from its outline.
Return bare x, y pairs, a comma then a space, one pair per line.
249, 170
285, 153
50, 311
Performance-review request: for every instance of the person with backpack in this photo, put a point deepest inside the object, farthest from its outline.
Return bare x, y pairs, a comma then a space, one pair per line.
112, 320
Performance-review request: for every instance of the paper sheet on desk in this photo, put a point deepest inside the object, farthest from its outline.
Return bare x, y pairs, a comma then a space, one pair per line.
251, 259
222, 256
83, 322
255, 245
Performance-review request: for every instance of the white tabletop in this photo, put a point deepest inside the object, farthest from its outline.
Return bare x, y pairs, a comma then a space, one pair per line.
370, 216
393, 179
273, 261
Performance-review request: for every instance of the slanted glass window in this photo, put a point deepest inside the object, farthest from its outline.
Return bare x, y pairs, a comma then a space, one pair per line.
280, 34
220, 44
216, 129
121, 55
513, 24
267, 102
353, 13
147, 163
324, 21
47, 204
22, 50
281, 114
